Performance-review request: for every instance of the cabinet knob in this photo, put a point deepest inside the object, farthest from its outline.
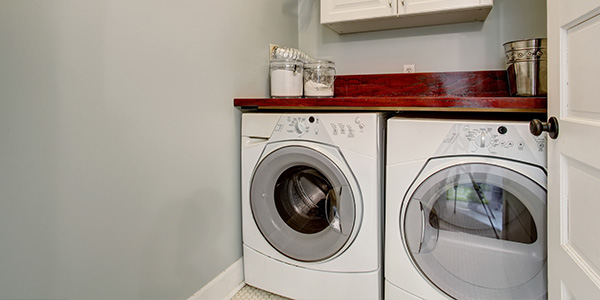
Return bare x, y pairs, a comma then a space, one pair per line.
536, 127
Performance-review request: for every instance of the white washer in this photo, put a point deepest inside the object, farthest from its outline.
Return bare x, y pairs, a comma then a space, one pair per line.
312, 204
465, 210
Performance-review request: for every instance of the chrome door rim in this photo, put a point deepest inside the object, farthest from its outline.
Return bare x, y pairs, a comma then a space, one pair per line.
536, 204
306, 247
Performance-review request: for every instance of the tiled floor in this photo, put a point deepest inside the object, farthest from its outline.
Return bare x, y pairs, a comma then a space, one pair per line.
248, 292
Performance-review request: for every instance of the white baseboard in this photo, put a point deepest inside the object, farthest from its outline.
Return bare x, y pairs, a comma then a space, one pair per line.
225, 285
234, 291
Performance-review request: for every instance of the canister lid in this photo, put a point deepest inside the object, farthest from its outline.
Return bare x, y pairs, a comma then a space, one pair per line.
320, 63
286, 63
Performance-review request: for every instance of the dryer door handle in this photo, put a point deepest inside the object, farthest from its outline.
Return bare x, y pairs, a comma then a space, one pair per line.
429, 229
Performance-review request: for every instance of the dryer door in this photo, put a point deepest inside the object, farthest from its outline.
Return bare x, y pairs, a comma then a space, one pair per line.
302, 203
478, 231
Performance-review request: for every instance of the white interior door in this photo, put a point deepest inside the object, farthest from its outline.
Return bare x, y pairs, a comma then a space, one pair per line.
574, 157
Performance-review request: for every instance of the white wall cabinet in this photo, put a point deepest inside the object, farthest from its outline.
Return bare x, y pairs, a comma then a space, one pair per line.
349, 10
349, 16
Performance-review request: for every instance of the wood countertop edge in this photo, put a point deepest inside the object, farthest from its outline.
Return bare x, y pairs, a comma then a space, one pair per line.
411, 103
395, 108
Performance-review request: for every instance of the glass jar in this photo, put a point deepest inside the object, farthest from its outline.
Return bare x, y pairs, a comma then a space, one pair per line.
319, 76
286, 78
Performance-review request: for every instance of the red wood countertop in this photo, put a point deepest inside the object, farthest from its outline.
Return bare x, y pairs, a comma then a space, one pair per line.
447, 91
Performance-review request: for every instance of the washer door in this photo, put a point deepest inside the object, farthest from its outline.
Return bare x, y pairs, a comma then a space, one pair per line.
478, 231
302, 203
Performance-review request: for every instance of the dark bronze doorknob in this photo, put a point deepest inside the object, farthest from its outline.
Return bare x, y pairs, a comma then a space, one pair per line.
536, 127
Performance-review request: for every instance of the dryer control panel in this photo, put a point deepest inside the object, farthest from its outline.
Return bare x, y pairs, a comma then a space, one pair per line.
508, 140
493, 137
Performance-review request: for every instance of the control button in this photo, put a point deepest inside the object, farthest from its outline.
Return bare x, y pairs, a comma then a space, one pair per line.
482, 139
361, 126
502, 130
510, 144
311, 119
300, 127
520, 144
342, 128
357, 120
350, 132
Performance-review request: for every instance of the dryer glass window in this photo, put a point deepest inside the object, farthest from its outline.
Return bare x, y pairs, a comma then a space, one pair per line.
482, 209
477, 231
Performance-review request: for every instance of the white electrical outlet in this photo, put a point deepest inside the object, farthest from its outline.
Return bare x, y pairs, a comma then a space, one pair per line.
409, 68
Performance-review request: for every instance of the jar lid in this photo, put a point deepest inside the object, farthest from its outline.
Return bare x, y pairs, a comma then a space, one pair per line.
286, 62
320, 63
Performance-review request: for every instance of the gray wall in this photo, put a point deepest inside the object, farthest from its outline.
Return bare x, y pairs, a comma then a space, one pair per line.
444, 48
119, 143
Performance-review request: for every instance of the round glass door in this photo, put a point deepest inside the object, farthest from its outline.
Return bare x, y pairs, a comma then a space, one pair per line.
302, 203
478, 231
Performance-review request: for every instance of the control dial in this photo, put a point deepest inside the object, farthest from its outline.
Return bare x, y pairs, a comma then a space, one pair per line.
300, 127
483, 139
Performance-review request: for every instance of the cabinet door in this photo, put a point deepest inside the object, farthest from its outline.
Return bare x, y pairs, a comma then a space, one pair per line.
426, 6
349, 10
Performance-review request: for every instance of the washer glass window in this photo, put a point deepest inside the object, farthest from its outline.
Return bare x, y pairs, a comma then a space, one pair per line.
477, 231
304, 199
302, 203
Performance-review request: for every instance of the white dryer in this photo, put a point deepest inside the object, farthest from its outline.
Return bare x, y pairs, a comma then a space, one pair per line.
465, 210
312, 204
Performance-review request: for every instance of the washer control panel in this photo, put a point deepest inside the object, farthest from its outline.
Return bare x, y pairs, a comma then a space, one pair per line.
313, 126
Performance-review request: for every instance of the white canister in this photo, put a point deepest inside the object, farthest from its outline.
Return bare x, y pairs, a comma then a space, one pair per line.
286, 78
319, 76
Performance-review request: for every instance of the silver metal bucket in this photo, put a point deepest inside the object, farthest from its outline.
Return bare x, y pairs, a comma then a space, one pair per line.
526, 64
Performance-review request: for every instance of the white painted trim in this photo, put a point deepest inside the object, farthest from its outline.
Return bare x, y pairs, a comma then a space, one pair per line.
225, 285
235, 291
